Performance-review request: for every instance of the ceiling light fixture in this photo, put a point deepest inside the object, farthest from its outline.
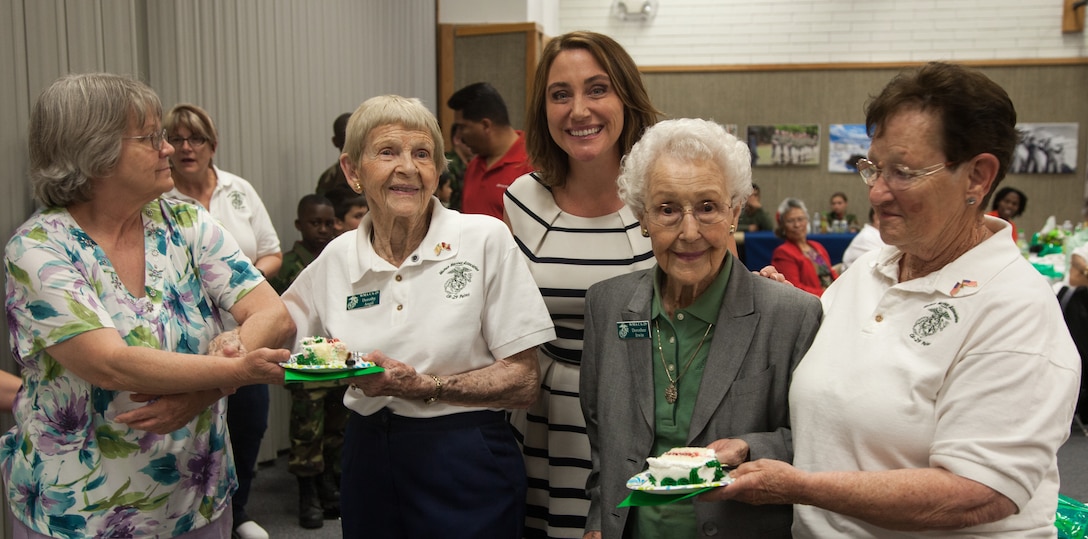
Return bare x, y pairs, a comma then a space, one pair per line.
644, 14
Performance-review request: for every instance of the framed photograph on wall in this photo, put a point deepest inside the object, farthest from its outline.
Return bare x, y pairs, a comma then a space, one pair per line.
846, 144
1046, 149
784, 145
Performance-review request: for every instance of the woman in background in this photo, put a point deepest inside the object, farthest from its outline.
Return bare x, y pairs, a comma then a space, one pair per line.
803, 262
235, 204
1009, 203
587, 110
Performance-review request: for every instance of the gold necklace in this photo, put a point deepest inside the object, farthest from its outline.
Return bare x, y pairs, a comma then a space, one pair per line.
671, 392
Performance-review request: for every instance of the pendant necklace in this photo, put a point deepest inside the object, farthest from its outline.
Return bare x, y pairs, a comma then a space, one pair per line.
671, 392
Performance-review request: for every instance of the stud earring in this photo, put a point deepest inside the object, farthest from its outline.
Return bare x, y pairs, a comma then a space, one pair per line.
732, 229
645, 232
358, 187
971, 201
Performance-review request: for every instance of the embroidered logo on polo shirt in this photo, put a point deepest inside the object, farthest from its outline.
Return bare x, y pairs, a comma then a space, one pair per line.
460, 275
238, 200
940, 316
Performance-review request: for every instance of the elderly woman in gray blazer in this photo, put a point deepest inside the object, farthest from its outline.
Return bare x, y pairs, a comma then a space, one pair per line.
696, 351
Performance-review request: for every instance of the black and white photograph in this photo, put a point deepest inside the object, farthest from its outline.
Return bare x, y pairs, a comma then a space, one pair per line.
1046, 149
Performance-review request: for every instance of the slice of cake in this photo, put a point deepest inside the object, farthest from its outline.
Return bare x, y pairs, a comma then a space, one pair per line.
685, 466
324, 351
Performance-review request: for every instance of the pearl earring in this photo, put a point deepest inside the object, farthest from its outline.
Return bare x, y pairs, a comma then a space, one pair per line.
971, 201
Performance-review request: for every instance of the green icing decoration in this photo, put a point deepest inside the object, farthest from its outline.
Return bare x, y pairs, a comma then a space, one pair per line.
693, 476
308, 358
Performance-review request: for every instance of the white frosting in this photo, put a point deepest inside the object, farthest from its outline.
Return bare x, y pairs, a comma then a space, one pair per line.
326, 350
675, 466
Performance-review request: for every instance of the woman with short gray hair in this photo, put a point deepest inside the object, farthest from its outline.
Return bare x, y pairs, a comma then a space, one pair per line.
803, 262
696, 351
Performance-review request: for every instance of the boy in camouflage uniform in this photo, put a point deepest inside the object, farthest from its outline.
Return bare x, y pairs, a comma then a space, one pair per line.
318, 415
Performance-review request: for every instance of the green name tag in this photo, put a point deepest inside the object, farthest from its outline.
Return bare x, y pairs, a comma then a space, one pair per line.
366, 299
633, 330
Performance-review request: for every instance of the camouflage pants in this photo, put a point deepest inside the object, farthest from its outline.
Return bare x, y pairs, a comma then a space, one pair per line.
318, 419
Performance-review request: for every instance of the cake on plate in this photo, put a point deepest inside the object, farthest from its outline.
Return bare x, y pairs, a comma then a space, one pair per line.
685, 466
324, 352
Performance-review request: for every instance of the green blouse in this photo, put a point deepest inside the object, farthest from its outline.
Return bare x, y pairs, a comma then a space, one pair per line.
676, 341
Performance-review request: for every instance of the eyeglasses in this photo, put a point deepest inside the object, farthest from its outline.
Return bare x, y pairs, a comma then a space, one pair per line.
670, 215
194, 141
156, 139
896, 176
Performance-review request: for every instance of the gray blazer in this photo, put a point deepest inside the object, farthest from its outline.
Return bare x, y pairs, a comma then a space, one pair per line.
763, 330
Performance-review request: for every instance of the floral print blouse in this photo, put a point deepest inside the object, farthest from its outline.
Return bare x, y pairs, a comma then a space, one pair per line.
69, 469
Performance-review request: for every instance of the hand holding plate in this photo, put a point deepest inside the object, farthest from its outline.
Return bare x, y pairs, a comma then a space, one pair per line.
398, 380
764, 481
262, 366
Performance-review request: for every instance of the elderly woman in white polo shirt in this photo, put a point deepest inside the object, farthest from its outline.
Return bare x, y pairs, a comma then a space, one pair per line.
941, 384
444, 302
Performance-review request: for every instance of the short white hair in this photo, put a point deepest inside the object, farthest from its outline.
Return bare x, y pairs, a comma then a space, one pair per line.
686, 139
788, 204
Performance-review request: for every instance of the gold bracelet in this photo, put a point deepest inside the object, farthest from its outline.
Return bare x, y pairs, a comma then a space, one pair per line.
437, 391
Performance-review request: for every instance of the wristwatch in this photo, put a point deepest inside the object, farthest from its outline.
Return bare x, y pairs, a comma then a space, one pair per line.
437, 391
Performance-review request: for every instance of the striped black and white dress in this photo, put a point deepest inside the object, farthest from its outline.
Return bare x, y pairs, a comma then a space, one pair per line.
566, 254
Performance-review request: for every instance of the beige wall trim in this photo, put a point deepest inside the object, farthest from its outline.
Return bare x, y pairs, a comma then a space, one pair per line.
486, 29
857, 65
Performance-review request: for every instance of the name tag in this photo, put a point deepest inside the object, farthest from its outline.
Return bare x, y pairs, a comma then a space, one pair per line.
364, 300
633, 330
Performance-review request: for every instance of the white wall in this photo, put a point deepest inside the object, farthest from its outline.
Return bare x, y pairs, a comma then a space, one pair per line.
717, 32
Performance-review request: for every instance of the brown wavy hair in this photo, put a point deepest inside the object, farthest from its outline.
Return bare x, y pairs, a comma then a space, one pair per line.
550, 161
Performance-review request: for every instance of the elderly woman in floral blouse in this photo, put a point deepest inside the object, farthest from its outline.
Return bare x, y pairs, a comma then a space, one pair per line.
112, 304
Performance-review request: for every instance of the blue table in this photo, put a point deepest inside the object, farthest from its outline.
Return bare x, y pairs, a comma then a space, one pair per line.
759, 247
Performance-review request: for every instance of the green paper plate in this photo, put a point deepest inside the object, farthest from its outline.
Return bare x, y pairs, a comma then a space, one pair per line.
314, 375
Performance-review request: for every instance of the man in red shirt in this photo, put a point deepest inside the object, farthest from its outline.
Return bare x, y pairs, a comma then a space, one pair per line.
484, 125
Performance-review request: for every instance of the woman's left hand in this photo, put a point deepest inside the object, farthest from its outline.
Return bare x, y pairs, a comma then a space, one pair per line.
764, 481
770, 272
398, 380
166, 413
227, 344
730, 451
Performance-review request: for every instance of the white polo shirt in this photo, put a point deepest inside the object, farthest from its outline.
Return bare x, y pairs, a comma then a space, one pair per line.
238, 207
970, 369
463, 299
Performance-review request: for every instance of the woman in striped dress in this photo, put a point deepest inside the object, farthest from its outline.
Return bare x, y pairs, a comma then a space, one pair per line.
588, 108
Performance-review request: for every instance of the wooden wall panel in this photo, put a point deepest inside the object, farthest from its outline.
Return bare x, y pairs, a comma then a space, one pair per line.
498, 59
830, 94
